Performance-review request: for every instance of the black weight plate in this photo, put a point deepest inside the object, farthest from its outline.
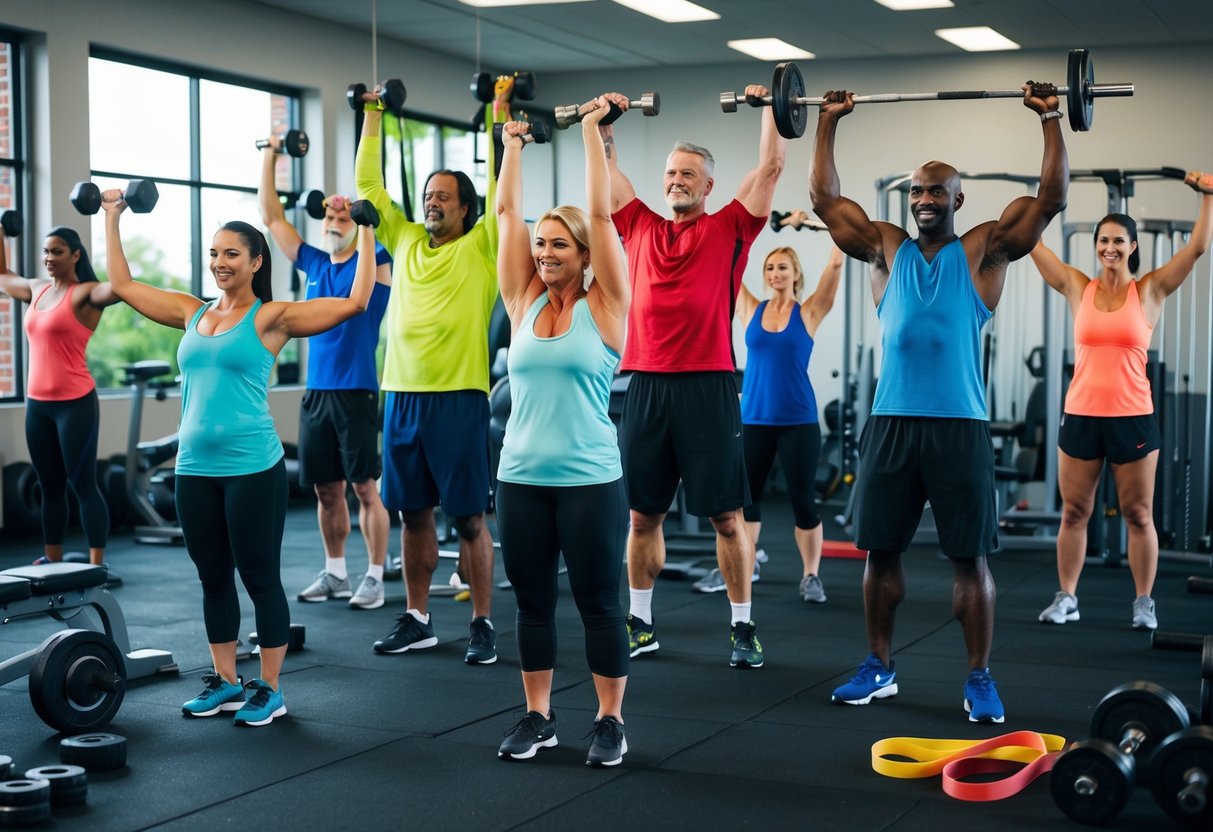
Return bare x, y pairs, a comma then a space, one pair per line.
1091, 782
24, 792
67, 684
1080, 73
1144, 705
1206, 658
787, 84
353, 96
94, 752
14, 817
69, 784
1206, 701
524, 86
6, 765
482, 87
1177, 756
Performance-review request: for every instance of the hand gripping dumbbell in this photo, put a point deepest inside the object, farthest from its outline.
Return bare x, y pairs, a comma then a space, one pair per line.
294, 142
363, 212
538, 132
1180, 773
484, 86
140, 195
1092, 780
391, 92
788, 219
569, 114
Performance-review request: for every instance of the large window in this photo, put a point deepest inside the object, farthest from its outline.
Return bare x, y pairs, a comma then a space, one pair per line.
12, 179
421, 145
193, 133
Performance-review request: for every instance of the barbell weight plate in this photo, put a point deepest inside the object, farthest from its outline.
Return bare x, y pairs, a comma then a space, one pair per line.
69, 784
1178, 755
1080, 75
78, 681
94, 752
24, 792
1206, 701
1206, 658
1144, 705
1091, 782
786, 86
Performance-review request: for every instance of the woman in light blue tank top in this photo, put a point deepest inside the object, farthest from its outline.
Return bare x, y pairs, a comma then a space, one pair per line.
231, 480
560, 486
778, 407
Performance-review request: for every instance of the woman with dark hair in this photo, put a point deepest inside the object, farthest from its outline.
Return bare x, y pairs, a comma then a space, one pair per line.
62, 417
231, 480
1109, 411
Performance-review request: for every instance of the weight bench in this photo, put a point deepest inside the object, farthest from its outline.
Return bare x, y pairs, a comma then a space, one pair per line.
77, 676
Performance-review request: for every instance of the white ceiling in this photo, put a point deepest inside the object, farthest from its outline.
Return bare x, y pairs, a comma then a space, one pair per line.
600, 34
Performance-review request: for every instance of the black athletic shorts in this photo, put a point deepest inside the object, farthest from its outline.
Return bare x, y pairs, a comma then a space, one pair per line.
1118, 439
905, 461
683, 426
338, 436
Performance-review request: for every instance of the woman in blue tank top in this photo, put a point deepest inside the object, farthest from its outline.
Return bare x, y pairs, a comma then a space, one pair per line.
778, 406
560, 486
231, 480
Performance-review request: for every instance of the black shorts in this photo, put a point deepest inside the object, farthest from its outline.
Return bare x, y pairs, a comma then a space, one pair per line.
905, 461
683, 426
338, 436
1118, 439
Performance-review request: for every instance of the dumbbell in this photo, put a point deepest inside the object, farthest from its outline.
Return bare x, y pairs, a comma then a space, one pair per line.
538, 133
783, 219
362, 212
140, 195
569, 114
1163, 640
1180, 771
313, 203
295, 143
484, 86
391, 92
12, 222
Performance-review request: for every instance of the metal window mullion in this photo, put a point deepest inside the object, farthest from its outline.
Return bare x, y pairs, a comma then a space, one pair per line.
196, 186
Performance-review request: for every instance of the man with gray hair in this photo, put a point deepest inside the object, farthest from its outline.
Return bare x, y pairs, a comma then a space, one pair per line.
681, 417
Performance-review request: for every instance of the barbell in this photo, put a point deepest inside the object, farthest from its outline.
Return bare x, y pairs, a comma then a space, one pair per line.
790, 104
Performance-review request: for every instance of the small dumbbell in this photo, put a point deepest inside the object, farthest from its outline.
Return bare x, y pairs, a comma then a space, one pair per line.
538, 132
786, 219
363, 212
12, 222
569, 114
1181, 770
484, 86
730, 100
296, 637
140, 195
294, 142
391, 92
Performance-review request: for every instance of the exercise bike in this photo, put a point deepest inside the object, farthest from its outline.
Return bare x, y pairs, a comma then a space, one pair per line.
144, 458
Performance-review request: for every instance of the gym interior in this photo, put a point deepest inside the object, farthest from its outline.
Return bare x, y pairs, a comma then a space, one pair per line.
177, 92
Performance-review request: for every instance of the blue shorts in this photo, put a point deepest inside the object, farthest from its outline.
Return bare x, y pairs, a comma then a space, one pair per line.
436, 452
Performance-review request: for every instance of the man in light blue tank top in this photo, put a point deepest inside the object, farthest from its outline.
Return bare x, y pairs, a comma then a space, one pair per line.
928, 437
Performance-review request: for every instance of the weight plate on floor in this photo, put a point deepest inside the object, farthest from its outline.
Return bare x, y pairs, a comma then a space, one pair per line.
1091, 782
94, 752
1143, 706
1181, 771
77, 681
69, 784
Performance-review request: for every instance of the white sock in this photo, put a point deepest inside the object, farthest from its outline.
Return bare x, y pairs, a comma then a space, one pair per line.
741, 613
375, 572
642, 604
424, 619
336, 568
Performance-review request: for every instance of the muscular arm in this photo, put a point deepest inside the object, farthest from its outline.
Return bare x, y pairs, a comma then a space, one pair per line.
272, 213
368, 177
12, 284
515, 265
622, 191
610, 270
758, 187
1166, 279
164, 306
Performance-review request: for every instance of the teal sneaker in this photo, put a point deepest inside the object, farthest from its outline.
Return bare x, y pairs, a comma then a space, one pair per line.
218, 695
872, 681
263, 706
981, 698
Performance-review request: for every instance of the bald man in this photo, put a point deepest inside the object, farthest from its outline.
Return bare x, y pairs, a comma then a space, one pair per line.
928, 437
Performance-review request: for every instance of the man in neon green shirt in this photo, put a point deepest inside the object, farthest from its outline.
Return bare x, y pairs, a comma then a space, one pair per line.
436, 376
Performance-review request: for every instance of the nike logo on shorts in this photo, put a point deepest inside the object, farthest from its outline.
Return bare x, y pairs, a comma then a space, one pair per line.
1141, 445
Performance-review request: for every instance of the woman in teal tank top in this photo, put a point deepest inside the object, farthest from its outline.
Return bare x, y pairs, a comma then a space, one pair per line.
231, 484
560, 484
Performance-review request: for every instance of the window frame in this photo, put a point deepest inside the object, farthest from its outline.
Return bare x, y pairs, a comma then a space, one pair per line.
20, 252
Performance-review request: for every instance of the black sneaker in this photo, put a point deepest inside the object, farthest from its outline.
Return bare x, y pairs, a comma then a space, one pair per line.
532, 733
747, 650
608, 744
482, 645
642, 638
408, 634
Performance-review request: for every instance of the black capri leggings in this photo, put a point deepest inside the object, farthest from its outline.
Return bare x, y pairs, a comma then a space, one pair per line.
236, 523
536, 524
799, 449
62, 438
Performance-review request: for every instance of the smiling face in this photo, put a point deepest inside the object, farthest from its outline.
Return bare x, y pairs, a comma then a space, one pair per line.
935, 196
58, 258
782, 273
558, 257
231, 265
686, 184
1114, 246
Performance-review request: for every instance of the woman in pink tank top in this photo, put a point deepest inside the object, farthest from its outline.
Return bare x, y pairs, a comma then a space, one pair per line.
1109, 410
62, 414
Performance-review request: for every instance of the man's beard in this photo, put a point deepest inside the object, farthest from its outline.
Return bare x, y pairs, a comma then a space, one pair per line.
335, 243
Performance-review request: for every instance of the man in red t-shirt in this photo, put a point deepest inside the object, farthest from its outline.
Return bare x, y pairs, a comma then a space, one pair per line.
681, 417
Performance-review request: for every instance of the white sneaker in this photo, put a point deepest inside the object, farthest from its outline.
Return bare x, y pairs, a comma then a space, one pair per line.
811, 590
714, 581
369, 595
1064, 608
1143, 613
325, 587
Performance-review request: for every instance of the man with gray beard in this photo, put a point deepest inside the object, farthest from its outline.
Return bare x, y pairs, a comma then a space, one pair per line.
339, 414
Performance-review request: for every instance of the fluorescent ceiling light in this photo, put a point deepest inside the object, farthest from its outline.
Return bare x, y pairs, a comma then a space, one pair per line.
915, 5
977, 39
491, 4
770, 49
670, 11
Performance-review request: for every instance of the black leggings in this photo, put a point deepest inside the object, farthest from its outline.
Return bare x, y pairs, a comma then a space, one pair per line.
586, 523
236, 523
62, 438
799, 449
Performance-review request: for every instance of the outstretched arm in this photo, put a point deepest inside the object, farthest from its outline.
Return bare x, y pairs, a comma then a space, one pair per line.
821, 301
515, 264
299, 319
11, 284
272, 213
610, 270
758, 187
164, 306
1165, 280
101, 295
1065, 279
622, 191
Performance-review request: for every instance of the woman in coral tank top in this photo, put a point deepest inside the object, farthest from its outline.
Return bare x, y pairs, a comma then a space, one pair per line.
1109, 412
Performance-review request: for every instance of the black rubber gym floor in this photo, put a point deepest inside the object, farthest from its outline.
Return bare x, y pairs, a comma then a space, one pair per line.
409, 741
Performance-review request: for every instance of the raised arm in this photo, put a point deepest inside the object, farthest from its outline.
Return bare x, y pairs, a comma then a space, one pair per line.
1066, 279
610, 269
101, 295
747, 305
368, 173
272, 212
622, 191
164, 306
515, 264
821, 301
1166, 279
14, 285
757, 189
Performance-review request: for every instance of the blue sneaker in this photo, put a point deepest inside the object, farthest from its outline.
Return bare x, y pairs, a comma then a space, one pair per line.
218, 695
981, 698
263, 706
872, 681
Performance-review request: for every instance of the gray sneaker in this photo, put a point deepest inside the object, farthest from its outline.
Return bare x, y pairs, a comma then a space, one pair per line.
1143, 613
325, 587
811, 590
714, 581
760, 555
1065, 608
369, 595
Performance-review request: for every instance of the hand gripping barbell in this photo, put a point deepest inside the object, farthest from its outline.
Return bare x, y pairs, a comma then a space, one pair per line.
790, 105
788, 219
569, 114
